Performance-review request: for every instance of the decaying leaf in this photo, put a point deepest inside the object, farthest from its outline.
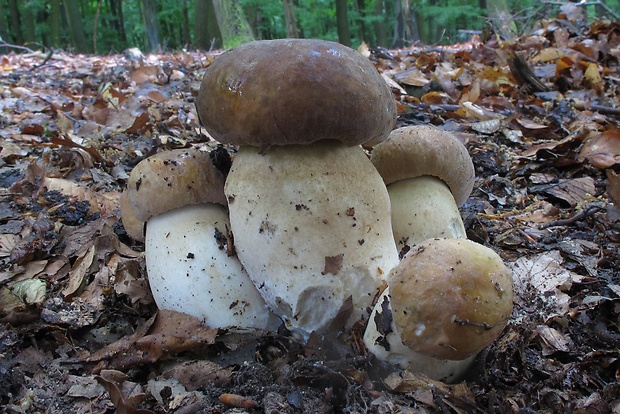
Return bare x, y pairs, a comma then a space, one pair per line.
165, 334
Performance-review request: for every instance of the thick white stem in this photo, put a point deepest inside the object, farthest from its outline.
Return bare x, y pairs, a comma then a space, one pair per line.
190, 270
312, 227
423, 208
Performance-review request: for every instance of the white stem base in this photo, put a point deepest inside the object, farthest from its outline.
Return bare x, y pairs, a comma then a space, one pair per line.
190, 271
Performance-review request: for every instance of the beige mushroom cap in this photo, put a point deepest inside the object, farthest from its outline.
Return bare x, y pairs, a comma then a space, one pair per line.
419, 150
295, 91
450, 298
173, 179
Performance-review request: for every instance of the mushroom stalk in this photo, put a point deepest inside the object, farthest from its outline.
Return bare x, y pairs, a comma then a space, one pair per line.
423, 208
192, 270
312, 228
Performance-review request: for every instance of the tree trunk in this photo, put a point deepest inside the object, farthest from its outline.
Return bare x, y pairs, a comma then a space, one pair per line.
55, 20
118, 19
149, 14
186, 37
206, 30
15, 26
501, 19
365, 33
233, 24
74, 20
28, 22
289, 18
4, 28
379, 24
342, 22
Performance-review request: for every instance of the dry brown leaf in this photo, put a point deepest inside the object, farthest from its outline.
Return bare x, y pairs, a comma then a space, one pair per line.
78, 274
166, 334
602, 150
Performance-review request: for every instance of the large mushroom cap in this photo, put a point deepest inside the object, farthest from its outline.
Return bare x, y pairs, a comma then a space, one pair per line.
419, 150
173, 179
294, 91
452, 298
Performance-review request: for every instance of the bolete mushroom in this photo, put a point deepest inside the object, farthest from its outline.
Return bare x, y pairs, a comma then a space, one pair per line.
446, 301
309, 213
180, 196
428, 173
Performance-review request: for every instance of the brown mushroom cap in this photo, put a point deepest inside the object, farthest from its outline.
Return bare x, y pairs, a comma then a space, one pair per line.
173, 179
414, 151
450, 298
294, 91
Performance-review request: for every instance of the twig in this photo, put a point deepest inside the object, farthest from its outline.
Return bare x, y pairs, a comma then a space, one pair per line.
585, 212
49, 55
18, 47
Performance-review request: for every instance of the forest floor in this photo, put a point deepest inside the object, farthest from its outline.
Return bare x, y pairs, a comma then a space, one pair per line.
78, 328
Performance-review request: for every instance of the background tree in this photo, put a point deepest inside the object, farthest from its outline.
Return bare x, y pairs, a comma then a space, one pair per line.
206, 30
76, 29
233, 23
379, 23
149, 13
15, 25
290, 19
55, 21
342, 22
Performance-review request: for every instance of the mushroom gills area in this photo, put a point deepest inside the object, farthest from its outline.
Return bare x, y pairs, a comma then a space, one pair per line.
190, 271
387, 345
312, 227
423, 208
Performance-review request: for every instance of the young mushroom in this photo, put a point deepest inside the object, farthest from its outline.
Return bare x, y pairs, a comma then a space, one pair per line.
309, 212
179, 194
428, 173
446, 301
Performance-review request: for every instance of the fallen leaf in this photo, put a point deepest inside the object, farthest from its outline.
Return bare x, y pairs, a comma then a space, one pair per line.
602, 150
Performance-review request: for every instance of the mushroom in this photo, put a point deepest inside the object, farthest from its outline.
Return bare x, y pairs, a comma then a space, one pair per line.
446, 301
428, 173
309, 212
191, 269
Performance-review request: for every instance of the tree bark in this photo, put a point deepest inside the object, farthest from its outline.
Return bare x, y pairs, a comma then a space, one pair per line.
55, 20
74, 20
149, 14
365, 34
28, 22
233, 24
186, 37
15, 26
289, 17
501, 18
379, 25
118, 19
206, 30
342, 22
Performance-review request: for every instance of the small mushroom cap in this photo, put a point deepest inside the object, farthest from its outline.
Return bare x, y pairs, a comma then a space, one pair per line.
173, 179
450, 298
294, 91
133, 226
414, 151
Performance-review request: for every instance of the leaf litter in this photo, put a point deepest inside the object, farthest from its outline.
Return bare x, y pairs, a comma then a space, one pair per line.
80, 332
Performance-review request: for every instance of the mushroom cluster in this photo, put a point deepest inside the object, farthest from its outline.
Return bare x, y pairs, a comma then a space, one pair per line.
318, 224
